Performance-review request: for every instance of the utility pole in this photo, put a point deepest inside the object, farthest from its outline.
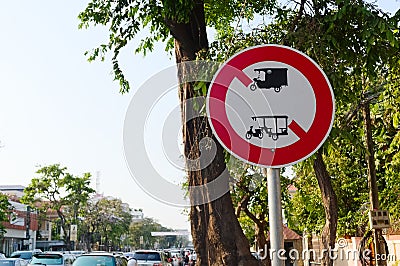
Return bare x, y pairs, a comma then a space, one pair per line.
379, 244
28, 224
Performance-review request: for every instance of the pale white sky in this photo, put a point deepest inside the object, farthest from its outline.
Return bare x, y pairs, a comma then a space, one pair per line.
55, 107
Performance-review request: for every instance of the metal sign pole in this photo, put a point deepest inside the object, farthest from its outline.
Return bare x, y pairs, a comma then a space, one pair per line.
275, 216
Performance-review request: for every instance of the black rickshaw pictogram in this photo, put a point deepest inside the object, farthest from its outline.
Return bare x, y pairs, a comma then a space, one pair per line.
279, 126
274, 78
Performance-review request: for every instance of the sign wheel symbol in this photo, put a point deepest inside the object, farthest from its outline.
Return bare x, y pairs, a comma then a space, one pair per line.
253, 86
248, 135
260, 135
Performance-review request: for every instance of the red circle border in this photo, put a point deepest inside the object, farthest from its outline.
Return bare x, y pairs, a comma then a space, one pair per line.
279, 157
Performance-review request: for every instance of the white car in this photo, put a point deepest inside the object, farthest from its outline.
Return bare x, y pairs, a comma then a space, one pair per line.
150, 258
52, 259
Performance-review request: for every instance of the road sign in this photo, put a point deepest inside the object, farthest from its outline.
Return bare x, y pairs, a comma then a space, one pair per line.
74, 232
270, 105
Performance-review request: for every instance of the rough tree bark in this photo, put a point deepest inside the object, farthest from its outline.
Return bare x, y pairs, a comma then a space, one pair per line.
217, 235
328, 236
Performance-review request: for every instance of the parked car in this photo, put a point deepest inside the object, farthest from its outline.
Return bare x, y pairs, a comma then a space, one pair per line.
23, 254
13, 262
128, 255
100, 259
77, 253
52, 258
2, 256
150, 258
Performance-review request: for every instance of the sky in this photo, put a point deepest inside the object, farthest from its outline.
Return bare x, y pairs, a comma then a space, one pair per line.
55, 107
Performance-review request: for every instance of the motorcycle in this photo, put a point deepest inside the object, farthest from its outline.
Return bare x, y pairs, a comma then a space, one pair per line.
256, 133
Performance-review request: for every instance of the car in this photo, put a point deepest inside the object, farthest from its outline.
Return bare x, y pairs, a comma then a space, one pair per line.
52, 258
77, 253
150, 258
128, 255
13, 262
2, 256
100, 259
23, 254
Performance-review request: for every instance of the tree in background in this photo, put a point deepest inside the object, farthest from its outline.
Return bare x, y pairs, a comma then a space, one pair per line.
105, 222
5, 208
57, 190
140, 235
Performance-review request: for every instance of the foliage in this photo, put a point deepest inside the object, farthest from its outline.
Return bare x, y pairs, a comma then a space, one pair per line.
250, 196
126, 19
105, 220
142, 230
357, 46
57, 190
355, 43
5, 208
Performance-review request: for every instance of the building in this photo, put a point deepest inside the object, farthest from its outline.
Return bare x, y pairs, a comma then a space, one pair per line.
13, 192
21, 229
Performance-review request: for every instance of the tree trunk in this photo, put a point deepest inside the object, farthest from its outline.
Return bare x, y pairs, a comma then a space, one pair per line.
379, 242
328, 236
65, 229
217, 235
262, 244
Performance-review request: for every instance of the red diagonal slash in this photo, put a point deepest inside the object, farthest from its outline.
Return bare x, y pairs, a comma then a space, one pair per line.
228, 73
297, 129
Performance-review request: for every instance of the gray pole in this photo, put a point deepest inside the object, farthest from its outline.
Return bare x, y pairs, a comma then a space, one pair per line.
275, 216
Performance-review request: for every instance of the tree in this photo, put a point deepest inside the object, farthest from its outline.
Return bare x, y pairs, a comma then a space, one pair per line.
140, 235
5, 208
106, 221
56, 189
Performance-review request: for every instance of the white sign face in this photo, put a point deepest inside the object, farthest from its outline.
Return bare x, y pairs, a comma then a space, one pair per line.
271, 106
296, 101
74, 232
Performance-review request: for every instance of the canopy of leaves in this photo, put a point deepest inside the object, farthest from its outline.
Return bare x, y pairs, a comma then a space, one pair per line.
5, 208
127, 18
357, 46
142, 230
354, 42
105, 220
56, 189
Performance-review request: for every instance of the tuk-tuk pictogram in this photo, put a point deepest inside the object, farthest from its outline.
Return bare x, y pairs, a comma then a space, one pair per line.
278, 126
274, 78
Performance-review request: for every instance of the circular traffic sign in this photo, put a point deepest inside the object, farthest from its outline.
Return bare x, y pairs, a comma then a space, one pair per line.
270, 105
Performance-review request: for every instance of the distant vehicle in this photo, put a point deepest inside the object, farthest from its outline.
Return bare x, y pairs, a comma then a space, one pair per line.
23, 254
128, 255
52, 258
77, 253
100, 259
132, 262
150, 258
2, 256
13, 262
